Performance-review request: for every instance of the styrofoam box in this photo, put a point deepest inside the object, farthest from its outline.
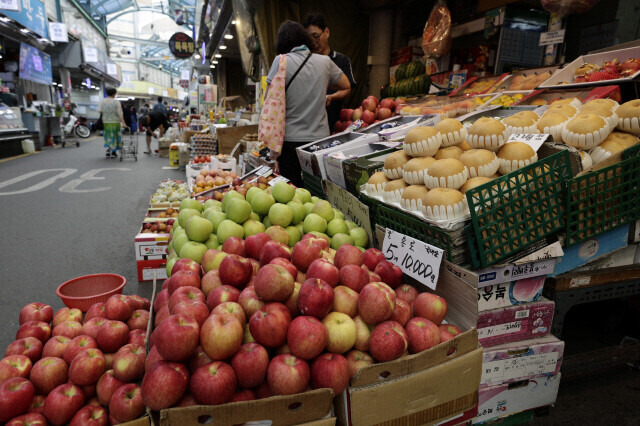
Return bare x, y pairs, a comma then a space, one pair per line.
564, 77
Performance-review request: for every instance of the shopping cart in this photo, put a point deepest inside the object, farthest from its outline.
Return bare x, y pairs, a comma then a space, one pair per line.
129, 145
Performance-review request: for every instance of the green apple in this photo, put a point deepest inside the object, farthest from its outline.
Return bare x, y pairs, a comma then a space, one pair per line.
338, 214
280, 214
350, 224
211, 203
215, 217
229, 228
304, 195
179, 241
297, 199
266, 222
294, 235
170, 263
190, 203
254, 216
238, 210
278, 233
170, 246
198, 229
298, 212
251, 192
262, 202
360, 237
301, 227
323, 209
283, 192
193, 250
252, 227
172, 254
179, 231
212, 242
314, 199
185, 214
228, 197
337, 226
314, 222
339, 239
307, 208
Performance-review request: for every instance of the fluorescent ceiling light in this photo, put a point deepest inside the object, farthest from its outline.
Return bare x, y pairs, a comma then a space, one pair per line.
5, 19
214, 62
234, 22
24, 30
228, 36
222, 47
212, 66
197, 56
217, 55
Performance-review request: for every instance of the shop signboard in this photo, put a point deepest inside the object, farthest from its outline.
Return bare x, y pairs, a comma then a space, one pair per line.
30, 13
58, 32
35, 65
181, 45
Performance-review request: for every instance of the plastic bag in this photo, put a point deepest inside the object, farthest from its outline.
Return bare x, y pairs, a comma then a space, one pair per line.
568, 7
436, 38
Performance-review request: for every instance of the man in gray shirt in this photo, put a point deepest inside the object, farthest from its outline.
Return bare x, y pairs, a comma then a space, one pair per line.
160, 106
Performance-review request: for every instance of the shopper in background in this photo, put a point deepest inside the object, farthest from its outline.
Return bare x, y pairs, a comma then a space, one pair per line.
112, 118
134, 119
152, 121
319, 32
306, 116
160, 107
143, 111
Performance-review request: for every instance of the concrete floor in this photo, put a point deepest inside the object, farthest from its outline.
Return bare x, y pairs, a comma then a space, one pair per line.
64, 228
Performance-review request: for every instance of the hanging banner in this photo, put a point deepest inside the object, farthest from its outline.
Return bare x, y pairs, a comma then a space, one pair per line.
182, 45
31, 14
35, 65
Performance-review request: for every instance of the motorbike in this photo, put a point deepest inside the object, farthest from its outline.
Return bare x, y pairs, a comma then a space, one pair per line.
77, 125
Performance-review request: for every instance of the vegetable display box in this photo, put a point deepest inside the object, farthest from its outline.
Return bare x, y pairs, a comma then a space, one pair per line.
515, 323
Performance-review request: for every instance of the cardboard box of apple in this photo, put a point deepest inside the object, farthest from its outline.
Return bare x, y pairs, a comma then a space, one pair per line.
63, 369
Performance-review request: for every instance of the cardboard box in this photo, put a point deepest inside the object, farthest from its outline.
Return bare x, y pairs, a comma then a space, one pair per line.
308, 408
358, 171
521, 360
460, 418
515, 323
146, 269
591, 249
334, 162
151, 255
499, 273
310, 155
228, 137
510, 398
594, 278
510, 294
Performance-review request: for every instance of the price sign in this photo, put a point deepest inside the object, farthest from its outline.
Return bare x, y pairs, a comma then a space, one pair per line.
151, 90
58, 32
277, 179
416, 258
551, 37
535, 141
112, 69
90, 54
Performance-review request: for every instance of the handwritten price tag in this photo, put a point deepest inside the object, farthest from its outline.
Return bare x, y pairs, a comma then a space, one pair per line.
416, 258
535, 141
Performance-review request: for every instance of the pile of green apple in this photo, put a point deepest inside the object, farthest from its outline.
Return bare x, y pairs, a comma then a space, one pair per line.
283, 212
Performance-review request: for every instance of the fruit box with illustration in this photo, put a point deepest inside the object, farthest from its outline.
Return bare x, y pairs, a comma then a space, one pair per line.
504, 399
427, 387
515, 323
310, 155
496, 274
510, 294
517, 361
526, 79
334, 162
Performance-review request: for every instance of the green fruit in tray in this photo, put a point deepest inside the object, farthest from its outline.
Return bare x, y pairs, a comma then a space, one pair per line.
190, 203
360, 237
238, 210
304, 195
179, 241
252, 227
278, 233
262, 202
216, 217
323, 209
308, 207
198, 228
299, 212
228, 196
193, 250
314, 222
337, 214
280, 214
170, 263
350, 224
212, 242
295, 235
229, 228
340, 239
251, 192
337, 226
283, 192
185, 214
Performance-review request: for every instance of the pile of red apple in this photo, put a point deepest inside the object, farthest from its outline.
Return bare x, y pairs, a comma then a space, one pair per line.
266, 321
63, 369
371, 111
240, 186
201, 159
159, 227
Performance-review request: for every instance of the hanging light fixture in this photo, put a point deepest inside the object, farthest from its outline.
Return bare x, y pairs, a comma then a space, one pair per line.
228, 36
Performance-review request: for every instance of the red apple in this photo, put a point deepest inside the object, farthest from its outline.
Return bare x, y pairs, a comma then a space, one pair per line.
87, 367
198, 359
193, 309
431, 307
152, 357
315, 298
38, 329
422, 334
388, 341
221, 336
363, 334
372, 257
250, 364
448, 332
185, 294
269, 324
342, 332
407, 293
89, 391
288, 375
69, 329
345, 114
106, 386
112, 336
285, 263
223, 294
16, 395
274, 283
49, 373
29, 419
368, 105
376, 303
348, 255
140, 302
186, 401
374, 278
63, 403
256, 267
323, 269
243, 395
162, 298
235, 271
15, 366
55, 346
139, 320
304, 253
178, 337
36, 312
213, 384
254, 243
118, 307
356, 115
307, 337
210, 281
164, 384
77, 345
330, 371
231, 308
37, 405
402, 313
357, 360
137, 336
90, 415
28, 346
184, 278
346, 300
161, 315
108, 360
67, 314
354, 277
186, 264
90, 328
273, 249
249, 301
368, 116
128, 363
389, 273
234, 245
323, 242
292, 302
126, 403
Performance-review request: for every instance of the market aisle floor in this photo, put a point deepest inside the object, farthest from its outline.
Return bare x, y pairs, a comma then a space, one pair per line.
68, 212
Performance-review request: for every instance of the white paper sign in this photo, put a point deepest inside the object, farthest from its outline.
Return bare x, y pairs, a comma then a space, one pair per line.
151, 90
185, 75
90, 54
58, 32
524, 366
94, 99
416, 258
13, 5
277, 179
535, 141
112, 69
551, 37
165, 93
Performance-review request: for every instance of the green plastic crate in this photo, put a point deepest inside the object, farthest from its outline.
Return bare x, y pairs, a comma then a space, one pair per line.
313, 184
604, 199
513, 211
